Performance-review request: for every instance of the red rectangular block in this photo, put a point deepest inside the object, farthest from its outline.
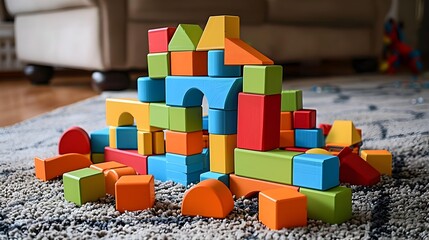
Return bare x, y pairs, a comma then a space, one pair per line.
159, 39
304, 119
295, 149
258, 121
131, 158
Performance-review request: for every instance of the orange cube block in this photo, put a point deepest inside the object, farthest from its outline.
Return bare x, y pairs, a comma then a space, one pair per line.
112, 176
282, 208
286, 121
134, 192
184, 143
287, 138
381, 160
189, 63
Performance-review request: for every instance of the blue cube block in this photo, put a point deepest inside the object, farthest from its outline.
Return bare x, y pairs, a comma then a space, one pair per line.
185, 168
150, 90
309, 138
126, 137
157, 166
316, 171
217, 67
184, 160
183, 178
222, 121
218, 176
206, 160
99, 140
205, 122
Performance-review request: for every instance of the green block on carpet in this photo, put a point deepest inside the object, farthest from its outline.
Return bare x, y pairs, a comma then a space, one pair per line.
158, 65
332, 206
186, 119
159, 115
185, 38
84, 185
274, 166
266, 80
291, 100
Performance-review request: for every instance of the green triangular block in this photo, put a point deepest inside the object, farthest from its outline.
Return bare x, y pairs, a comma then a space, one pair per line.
185, 38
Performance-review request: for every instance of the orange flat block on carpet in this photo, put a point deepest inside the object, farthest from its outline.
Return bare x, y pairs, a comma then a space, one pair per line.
50, 168
209, 198
134, 192
184, 143
105, 166
74, 140
188, 63
112, 176
247, 187
237, 52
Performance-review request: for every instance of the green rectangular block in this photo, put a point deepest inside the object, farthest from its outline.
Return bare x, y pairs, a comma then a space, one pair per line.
84, 185
186, 119
266, 80
158, 65
274, 166
159, 115
332, 206
291, 100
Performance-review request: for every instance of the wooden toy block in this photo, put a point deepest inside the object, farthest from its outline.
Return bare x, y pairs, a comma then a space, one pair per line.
97, 157
131, 158
332, 206
189, 63
282, 208
134, 192
126, 137
258, 121
151, 90
381, 160
112, 137
304, 119
105, 166
190, 168
309, 138
222, 121
157, 166
287, 138
144, 141
286, 121
186, 119
291, 100
205, 141
316, 171
217, 67
217, 29
325, 128
84, 185
206, 123
274, 166
99, 140
224, 178
188, 143
159, 115
123, 112
50, 168
74, 140
113, 175
159, 38
237, 52
158, 143
185, 38
206, 159
266, 80
355, 170
343, 133
221, 93
209, 198
222, 153
318, 151
183, 178
185, 164
295, 149
248, 187
158, 65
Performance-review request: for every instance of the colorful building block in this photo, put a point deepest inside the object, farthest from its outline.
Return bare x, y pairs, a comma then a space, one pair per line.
316, 171
144, 141
112, 137
258, 121
274, 166
295, 149
309, 138
185, 164
183, 178
157, 166
206, 159
131, 158
158, 65
217, 29
186, 119
343, 133
189, 63
205, 122
74, 140
291, 100
332, 206
287, 138
217, 67
381, 160
188, 143
126, 137
151, 90
158, 143
318, 151
112, 176
205, 140
304, 119
222, 153
325, 128
105, 166
237, 52
159, 38
224, 178
210, 198
266, 80
159, 115
83, 185
99, 140
282, 208
286, 121
134, 192
97, 157
248, 187
50, 168
355, 170
185, 38
222, 121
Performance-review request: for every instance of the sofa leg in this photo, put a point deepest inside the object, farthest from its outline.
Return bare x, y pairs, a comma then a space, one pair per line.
110, 80
38, 74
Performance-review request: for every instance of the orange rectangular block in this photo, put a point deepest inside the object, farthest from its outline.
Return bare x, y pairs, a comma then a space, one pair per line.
247, 187
184, 143
287, 138
189, 63
112, 176
50, 168
286, 121
107, 166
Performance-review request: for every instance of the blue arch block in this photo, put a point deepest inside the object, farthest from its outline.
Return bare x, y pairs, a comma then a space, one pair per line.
150, 90
222, 121
217, 67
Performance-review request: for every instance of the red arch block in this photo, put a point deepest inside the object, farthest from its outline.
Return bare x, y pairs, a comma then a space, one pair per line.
74, 140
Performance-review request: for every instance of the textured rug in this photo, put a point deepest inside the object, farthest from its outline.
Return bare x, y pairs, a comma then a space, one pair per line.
391, 115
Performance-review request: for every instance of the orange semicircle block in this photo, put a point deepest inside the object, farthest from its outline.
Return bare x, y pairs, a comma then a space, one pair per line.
209, 198
237, 52
74, 140
50, 168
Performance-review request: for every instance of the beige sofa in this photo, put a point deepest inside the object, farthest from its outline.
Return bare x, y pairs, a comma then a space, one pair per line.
110, 36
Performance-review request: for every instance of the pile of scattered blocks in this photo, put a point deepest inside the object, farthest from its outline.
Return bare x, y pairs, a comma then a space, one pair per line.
255, 139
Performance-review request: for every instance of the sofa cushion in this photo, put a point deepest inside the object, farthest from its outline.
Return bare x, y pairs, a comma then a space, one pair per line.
195, 11
28, 6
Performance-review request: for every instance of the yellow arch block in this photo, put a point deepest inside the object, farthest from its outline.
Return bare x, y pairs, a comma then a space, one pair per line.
217, 29
318, 151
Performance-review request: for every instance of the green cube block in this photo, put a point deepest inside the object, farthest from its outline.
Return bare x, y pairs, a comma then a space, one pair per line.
84, 185
291, 100
266, 80
158, 65
332, 206
186, 119
159, 115
274, 166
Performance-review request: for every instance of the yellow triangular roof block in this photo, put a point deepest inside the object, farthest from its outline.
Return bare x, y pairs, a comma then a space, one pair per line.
217, 29
343, 133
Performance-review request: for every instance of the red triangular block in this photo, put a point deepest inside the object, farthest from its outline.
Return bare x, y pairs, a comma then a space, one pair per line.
355, 170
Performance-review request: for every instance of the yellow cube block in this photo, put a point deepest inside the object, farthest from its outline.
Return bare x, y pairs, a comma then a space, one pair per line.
144, 143
158, 143
381, 160
222, 152
112, 137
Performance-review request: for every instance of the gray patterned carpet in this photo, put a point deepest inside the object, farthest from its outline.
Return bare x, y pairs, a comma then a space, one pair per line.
391, 116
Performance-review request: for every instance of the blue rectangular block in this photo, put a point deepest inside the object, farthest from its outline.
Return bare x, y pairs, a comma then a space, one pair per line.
206, 160
218, 176
183, 178
184, 160
316, 171
205, 122
309, 138
126, 137
217, 67
99, 140
150, 90
157, 166
185, 168
222, 121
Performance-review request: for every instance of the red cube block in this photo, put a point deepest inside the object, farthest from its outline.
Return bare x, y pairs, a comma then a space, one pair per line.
304, 119
159, 39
